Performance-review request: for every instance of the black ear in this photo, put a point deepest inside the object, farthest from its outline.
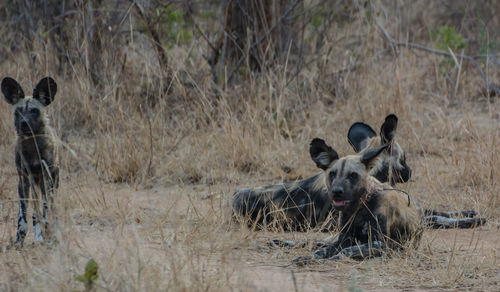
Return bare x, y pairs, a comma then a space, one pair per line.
45, 91
369, 156
12, 90
388, 129
322, 154
358, 135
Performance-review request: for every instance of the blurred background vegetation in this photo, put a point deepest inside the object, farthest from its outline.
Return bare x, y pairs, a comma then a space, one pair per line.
139, 76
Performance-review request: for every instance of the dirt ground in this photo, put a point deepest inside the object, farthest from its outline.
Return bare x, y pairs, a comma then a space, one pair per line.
148, 232
157, 128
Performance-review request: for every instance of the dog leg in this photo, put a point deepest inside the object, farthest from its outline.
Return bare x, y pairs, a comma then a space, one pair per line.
467, 213
439, 222
286, 243
322, 253
37, 228
22, 223
373, 249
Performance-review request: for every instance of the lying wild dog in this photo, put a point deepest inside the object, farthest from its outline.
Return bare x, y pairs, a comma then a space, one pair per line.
391, 165
35, 153
374, 216
305, 203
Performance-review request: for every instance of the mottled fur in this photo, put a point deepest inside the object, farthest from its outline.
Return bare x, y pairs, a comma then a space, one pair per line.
36, 155
292, 205
391, 165
374, 216
305, 203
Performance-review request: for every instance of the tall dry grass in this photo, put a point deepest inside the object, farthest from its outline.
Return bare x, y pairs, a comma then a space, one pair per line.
137, 160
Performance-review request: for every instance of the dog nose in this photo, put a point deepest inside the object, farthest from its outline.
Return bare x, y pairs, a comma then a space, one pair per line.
405, 175
337, 191
409, 174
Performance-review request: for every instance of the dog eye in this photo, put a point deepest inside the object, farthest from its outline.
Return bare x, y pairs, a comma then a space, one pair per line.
332, 174
353, 176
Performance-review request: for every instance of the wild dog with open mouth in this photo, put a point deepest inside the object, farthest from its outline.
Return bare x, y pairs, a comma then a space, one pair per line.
35, 153
305, 203
374, 216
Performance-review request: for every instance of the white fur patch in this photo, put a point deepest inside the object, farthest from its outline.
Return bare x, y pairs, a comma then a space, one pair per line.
38, 233
323, 158
23, 226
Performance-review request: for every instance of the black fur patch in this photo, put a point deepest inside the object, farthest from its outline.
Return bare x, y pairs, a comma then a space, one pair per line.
303, 205
322, 154
388, 129
358, 134
370, 155
12, 90
45, 91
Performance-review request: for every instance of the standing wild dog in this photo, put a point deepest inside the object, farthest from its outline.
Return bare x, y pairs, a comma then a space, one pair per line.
36, 155
374, 216
305, 203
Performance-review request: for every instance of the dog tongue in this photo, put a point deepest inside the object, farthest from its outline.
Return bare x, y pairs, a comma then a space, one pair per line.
338, 203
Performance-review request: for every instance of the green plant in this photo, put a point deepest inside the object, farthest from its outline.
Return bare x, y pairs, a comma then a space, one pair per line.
319, 17
89, 275
446, 38
175, 26
486, 45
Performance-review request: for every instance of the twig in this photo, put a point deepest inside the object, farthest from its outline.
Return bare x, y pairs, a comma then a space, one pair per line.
203, 34
490, 87
294, 281
388, 37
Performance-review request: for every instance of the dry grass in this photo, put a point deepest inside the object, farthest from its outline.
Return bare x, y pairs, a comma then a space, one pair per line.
139, 163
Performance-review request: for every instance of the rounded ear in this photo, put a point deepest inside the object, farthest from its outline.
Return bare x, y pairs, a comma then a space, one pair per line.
45, 91
359, 134
388, 128
369, 156
322, 154
12, 90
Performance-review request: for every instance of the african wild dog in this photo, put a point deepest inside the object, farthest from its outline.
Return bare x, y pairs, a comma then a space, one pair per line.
391, 165
374, 216
35, 153
305, 203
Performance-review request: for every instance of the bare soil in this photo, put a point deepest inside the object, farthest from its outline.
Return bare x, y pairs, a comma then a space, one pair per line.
136, 229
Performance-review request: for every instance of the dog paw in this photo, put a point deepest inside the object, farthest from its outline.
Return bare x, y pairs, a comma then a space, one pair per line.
302, 260
471, 222
17, 245
469, 213
284, 243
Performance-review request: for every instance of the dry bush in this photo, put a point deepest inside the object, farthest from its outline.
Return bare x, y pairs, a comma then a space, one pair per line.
140, 153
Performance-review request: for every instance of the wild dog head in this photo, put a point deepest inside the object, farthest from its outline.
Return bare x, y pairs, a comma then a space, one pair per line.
347, 179
29, 115
391, 163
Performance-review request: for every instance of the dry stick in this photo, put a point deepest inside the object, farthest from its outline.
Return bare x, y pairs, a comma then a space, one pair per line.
215, 52
395, 44
294, 281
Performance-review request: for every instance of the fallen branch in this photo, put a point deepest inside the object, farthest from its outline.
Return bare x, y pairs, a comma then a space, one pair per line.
492, 89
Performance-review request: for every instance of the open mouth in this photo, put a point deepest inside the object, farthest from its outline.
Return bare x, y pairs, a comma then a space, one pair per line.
340, 203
